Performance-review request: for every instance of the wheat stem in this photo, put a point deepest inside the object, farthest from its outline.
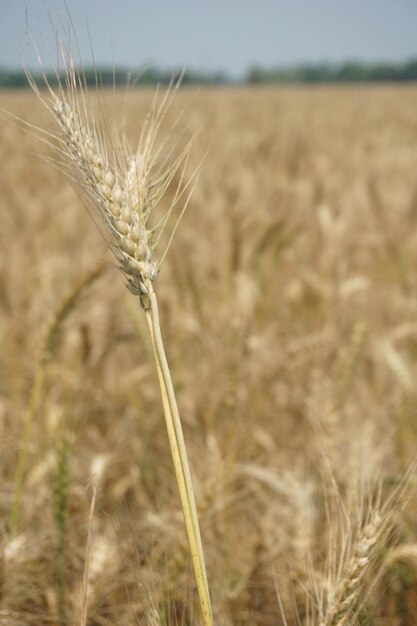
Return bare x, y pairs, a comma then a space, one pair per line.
179, 457
23, 451
87, 560
49, 347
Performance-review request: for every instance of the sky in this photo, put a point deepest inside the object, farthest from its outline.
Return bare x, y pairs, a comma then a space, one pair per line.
215, 35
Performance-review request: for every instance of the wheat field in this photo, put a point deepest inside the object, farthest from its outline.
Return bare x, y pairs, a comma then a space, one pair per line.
289, 308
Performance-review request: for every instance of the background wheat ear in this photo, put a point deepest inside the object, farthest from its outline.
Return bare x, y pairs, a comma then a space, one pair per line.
361, 548
49, 348
125, 189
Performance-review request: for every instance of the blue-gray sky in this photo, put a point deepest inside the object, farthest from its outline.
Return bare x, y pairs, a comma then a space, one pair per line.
216, 35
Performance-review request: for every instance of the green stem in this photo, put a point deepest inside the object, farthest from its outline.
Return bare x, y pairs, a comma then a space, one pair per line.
179, 457
23, 452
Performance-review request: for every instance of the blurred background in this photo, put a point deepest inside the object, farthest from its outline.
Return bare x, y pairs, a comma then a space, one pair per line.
288, 307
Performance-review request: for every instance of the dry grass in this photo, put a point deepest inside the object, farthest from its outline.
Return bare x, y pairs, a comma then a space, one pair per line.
289, 298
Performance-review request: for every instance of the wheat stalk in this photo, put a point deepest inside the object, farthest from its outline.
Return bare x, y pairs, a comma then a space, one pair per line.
49, 347
124, 188
87, 559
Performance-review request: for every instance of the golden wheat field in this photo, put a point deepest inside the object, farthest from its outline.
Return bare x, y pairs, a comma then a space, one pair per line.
289, 311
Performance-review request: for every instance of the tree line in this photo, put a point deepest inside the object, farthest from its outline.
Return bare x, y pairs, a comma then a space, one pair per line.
348, 72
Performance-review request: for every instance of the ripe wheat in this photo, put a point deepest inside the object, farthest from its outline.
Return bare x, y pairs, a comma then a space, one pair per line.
125, 189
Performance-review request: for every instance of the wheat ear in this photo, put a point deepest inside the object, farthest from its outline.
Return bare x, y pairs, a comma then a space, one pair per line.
124, 188
346, 591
